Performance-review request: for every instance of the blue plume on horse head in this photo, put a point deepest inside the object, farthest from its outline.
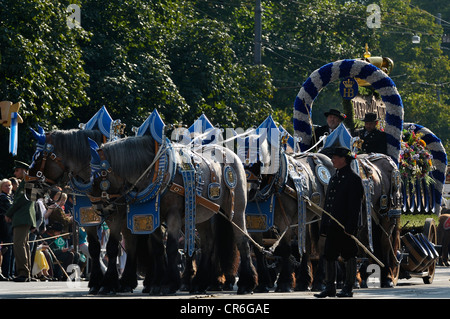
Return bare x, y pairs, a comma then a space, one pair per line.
39, 136
95, 157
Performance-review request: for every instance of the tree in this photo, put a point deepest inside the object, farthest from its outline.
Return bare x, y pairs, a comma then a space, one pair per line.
40, 67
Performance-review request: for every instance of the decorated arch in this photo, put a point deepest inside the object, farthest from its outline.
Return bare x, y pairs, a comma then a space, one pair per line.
436, 148
342, 69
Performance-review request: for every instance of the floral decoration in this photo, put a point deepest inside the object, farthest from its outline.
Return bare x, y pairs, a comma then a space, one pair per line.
416, 162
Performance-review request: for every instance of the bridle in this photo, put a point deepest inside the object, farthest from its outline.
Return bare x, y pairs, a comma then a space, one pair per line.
47, 155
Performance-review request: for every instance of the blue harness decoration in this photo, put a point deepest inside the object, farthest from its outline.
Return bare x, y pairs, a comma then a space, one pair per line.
84, 213
143, 207
299, 183
187, 171
259, 215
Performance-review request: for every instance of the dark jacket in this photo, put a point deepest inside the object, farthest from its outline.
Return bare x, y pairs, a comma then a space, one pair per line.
321, 130
22, 210
343, 200
374, 142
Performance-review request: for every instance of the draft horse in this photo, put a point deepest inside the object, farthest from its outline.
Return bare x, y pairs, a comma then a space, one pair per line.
293, 219
63, 158
211, 173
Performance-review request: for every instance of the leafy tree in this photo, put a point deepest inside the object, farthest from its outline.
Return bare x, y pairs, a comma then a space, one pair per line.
129, 71
40, 67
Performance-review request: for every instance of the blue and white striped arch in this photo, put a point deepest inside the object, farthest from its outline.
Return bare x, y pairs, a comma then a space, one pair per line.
435, 147
334, 71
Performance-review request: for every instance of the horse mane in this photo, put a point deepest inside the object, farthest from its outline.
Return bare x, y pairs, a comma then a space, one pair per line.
73, 144
129, 157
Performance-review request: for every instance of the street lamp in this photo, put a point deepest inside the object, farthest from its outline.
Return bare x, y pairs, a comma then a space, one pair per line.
415, 39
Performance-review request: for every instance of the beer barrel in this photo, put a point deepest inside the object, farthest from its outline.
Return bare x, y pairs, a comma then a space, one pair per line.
416, 253
430, 258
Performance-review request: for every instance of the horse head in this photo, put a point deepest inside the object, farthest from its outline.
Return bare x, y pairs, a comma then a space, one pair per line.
43, 172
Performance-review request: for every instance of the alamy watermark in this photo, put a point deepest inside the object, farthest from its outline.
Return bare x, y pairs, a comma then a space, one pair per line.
374, 19
74, 17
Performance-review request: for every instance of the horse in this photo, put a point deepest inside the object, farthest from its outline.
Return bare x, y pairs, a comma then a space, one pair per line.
284, 186
380, 229
212, 174
63, 158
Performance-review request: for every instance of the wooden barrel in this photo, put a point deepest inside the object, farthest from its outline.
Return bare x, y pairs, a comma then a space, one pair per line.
430, 258
425, 242
417, 253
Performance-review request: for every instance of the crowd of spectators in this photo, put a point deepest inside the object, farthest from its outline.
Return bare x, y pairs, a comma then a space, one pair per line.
39, 240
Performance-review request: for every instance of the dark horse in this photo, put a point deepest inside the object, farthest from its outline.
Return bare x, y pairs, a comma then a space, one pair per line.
312, 172
63, 158
382, 200
220, 190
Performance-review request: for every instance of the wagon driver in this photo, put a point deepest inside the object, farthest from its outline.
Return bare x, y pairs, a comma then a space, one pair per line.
374, 139
343, 202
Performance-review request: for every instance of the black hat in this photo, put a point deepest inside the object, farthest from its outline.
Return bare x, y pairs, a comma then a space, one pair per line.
19, 164
339, 114
341, 151
370, 117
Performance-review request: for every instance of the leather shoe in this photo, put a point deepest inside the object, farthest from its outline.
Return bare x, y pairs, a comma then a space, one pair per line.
345, 293
326, 293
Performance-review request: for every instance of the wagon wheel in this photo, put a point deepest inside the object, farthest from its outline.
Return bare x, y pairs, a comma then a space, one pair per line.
396, 246
429, 231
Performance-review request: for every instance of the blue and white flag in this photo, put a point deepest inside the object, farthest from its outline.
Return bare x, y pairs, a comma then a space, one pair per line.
13, 134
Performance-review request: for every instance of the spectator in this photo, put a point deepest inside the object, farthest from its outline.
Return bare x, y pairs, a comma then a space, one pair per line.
40, 266
23, 217
58, 246
5, 228
15, 184
55, 211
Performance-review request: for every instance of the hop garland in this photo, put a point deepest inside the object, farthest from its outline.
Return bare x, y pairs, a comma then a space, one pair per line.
415, 160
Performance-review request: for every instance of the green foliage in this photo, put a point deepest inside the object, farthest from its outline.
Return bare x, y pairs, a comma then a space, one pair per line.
186, 58
415, 222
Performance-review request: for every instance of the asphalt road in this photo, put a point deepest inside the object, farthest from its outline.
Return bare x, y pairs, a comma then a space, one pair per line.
412, 288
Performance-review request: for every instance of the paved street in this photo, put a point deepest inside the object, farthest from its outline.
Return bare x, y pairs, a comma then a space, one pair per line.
412, 288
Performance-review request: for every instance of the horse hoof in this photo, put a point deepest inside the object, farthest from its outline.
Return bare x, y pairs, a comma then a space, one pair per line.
244, 291
227, 287
185, 287
387, 284
125, 289
168, 291
104, 291
262, 289
154, 291
93, 291
283, 288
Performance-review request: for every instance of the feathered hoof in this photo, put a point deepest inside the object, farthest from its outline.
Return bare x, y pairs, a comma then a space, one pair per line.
154, 291
262, 289
125, 289
228, 287
168, 291
244, 291
283, 288
106, 291
93, 291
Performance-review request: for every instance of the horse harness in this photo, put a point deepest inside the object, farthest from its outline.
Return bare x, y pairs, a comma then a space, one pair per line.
290, 168
47, 153
171, 161
365, 168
